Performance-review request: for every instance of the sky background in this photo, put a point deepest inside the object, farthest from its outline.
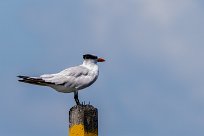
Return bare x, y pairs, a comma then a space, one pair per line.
152, 83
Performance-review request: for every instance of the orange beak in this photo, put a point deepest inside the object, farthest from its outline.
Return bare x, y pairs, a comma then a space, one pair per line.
100, 60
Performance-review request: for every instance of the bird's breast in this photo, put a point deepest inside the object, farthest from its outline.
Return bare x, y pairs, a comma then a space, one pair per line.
86, 81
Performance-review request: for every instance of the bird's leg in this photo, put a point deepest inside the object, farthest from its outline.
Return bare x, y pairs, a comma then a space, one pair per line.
76, 98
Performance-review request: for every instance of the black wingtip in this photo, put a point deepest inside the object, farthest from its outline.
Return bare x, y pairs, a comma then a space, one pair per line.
32, 80
24, 77
21, 80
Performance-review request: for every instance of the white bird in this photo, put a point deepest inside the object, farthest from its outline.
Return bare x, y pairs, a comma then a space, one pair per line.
71, 79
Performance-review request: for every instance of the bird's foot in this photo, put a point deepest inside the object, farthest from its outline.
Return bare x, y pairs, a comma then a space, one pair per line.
78, 103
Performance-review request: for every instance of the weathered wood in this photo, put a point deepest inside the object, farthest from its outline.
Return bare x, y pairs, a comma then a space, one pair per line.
83, 121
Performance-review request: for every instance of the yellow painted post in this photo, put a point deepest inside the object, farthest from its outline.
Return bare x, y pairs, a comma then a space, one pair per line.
83, 121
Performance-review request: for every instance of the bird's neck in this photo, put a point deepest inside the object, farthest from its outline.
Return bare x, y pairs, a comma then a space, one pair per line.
90, 64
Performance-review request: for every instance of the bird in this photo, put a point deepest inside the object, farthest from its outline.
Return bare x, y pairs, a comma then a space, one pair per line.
69, 80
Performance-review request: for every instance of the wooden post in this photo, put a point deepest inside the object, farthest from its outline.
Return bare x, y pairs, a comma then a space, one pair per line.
83, 121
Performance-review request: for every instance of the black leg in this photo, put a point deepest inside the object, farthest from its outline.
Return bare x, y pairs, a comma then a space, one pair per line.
76, 98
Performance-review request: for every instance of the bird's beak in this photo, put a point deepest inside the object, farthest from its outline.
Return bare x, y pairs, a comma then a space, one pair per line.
100, 60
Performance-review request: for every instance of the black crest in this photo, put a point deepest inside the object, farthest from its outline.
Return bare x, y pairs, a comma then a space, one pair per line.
89, 56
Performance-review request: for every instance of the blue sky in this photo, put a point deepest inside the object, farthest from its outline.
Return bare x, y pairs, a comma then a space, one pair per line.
151, 84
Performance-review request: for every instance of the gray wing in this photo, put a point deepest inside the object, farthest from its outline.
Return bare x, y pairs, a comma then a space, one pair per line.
71, 77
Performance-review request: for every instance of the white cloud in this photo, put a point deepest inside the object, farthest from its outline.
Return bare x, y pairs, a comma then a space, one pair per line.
165, 12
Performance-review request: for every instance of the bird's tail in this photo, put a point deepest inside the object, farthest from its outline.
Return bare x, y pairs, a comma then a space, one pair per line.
32, 80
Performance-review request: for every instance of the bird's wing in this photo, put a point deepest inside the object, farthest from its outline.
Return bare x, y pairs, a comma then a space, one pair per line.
68, 77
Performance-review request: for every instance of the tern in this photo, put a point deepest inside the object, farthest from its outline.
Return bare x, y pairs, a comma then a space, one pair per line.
71, 79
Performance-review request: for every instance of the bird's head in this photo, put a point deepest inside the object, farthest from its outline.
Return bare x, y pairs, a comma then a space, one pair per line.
93, 58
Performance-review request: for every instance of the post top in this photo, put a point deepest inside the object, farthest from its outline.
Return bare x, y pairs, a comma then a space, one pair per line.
84, 107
